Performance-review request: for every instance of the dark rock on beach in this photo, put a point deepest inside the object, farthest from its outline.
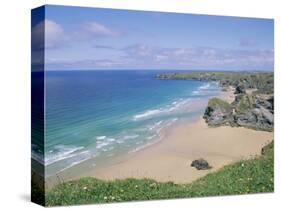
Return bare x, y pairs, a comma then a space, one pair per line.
200, 164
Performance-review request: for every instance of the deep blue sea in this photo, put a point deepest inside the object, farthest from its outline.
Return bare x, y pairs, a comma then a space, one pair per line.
99, 115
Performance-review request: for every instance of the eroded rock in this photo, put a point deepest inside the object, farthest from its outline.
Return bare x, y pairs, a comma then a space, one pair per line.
200, 164
218, 112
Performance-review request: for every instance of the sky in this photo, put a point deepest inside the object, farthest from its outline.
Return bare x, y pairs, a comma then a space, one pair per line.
79, 38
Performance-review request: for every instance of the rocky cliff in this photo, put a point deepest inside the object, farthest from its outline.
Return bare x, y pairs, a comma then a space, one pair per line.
253, 106
255, 111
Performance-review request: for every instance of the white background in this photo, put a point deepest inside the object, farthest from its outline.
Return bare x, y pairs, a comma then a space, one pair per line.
15, 103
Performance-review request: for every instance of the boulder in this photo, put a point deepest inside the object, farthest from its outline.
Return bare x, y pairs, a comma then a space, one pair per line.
200, 164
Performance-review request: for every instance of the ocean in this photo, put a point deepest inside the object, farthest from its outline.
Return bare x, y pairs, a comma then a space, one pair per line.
100, 115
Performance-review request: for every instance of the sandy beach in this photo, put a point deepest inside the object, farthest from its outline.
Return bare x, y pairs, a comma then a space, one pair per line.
170, 159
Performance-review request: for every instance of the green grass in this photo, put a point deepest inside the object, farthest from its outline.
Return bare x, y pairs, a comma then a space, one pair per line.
245, 103
244, 177
217, 102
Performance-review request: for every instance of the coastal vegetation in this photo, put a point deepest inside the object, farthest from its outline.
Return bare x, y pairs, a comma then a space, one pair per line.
244, 177
262, 81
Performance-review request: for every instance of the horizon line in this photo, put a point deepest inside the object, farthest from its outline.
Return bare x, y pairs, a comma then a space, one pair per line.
146, 69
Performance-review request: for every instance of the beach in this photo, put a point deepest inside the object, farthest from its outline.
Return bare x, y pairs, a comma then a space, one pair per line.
170, 159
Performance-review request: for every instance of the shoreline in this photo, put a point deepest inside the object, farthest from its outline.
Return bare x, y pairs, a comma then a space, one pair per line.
170, 158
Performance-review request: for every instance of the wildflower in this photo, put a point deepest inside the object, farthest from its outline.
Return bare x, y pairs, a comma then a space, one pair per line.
113, 198
242, 164
85, 187
105, 198
136, 186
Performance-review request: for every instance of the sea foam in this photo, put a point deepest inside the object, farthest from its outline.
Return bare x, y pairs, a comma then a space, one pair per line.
61, 152
202, 90
173, 107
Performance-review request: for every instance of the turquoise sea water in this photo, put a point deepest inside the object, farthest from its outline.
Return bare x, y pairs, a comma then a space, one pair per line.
99, 115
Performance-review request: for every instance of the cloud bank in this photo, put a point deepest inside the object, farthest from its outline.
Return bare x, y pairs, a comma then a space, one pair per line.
144, 56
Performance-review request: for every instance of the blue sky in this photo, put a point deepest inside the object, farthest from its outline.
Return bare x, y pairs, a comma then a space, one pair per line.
89, 38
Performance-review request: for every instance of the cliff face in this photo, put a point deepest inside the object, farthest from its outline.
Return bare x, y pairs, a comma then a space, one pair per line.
248, 110
255, 111
253, 106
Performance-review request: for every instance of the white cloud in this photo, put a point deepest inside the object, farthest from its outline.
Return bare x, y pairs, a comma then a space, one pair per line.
54, 35
97, 30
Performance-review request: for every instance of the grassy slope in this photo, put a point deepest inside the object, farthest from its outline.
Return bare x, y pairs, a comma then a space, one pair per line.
250, 176
217, 102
